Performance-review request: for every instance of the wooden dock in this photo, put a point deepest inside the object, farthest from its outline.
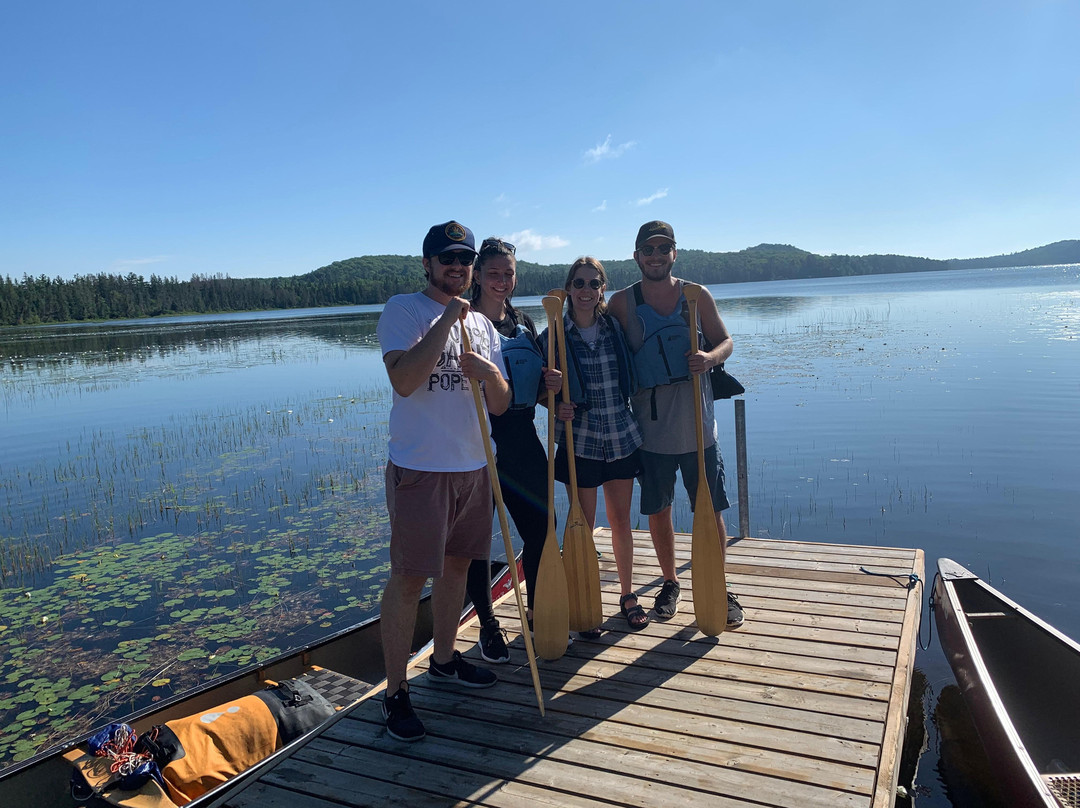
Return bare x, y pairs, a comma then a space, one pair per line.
804, 705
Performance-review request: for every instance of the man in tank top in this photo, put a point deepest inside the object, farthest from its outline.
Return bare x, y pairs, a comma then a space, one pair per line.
653, 313
438, 492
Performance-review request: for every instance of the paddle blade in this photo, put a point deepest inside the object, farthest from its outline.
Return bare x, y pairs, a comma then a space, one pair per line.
707, 566
582, 572
551, 617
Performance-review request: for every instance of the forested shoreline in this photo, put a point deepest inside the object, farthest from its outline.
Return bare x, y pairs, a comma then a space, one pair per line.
374, 278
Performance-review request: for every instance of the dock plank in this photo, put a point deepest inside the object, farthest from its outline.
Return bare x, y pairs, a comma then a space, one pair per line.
707, 678
801, 706
500, 752
657, 733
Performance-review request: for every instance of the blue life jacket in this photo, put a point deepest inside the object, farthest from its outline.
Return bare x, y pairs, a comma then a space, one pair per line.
665, 342
627, 385
524, 367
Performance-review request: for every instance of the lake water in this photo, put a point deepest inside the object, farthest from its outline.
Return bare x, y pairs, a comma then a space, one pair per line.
181, 497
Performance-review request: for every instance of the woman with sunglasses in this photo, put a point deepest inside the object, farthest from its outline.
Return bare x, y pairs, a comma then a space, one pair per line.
520, 457
606, 437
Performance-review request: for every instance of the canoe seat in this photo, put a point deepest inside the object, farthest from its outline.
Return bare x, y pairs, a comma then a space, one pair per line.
339, 689
987, 615
1066, 787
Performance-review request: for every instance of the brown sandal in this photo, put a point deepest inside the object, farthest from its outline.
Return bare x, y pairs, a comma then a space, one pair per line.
635, 616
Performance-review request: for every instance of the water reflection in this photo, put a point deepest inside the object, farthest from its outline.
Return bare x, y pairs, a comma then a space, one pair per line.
104, 345
962, 766
766, 308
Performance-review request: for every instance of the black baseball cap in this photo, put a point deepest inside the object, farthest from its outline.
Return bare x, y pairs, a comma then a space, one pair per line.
448, 236
654, 228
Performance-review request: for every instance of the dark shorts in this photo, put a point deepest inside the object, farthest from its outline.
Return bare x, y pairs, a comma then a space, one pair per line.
434, 514
594, 473
658, 479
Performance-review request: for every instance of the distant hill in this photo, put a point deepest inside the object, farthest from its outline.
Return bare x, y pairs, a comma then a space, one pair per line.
374, 278
1060, 252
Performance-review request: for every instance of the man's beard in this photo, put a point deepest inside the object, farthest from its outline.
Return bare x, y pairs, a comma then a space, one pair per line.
655, 273
451, 288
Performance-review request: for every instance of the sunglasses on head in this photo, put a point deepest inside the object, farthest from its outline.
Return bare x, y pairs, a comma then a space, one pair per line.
463, 257
663, 249
579, 283
495, 243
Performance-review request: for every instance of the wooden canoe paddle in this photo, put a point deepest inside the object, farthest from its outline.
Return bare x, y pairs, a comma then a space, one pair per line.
579, 552
706, 554
551, 607
500, 507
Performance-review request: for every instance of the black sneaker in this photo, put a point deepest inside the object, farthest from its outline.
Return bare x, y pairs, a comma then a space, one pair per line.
667, 602
492, 643
401, 720
460, 673
734, 612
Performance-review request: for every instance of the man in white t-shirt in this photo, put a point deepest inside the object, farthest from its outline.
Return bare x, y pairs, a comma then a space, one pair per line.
438, 491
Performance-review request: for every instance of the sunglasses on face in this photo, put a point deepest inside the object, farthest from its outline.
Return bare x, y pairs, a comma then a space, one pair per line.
495, 243
663, 249
579, 283
463, 257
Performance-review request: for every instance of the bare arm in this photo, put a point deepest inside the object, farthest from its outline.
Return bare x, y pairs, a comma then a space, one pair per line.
617, 307
409, 369
715, 332
479, 369
496, 390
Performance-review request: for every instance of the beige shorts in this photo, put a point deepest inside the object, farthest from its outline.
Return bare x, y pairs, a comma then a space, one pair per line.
434, 514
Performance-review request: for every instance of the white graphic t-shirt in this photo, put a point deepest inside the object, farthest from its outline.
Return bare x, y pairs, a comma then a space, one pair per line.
435, 428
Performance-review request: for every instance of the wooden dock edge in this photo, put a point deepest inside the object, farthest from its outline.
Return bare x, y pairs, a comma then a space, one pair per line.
892, 741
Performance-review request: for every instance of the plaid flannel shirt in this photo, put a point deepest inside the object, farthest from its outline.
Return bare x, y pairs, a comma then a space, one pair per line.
607, 430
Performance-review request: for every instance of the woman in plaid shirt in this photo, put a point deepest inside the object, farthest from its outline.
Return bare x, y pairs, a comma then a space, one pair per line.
606, 437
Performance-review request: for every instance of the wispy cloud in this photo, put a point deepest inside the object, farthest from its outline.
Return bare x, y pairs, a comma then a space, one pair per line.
648, 200
605, 150
128, 263
601, 207
528, 241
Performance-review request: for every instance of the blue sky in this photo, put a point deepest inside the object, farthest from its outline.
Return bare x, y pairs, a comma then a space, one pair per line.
270, 138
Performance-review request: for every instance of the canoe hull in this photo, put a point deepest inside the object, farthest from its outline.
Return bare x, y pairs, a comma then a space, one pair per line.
1018, 678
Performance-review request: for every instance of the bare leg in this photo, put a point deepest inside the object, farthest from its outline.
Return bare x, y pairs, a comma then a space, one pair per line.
663, 538
398, 621
447, 594
722, 528
587, 500
617, 497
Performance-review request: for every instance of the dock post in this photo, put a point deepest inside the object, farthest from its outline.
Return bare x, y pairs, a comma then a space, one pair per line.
740, 454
